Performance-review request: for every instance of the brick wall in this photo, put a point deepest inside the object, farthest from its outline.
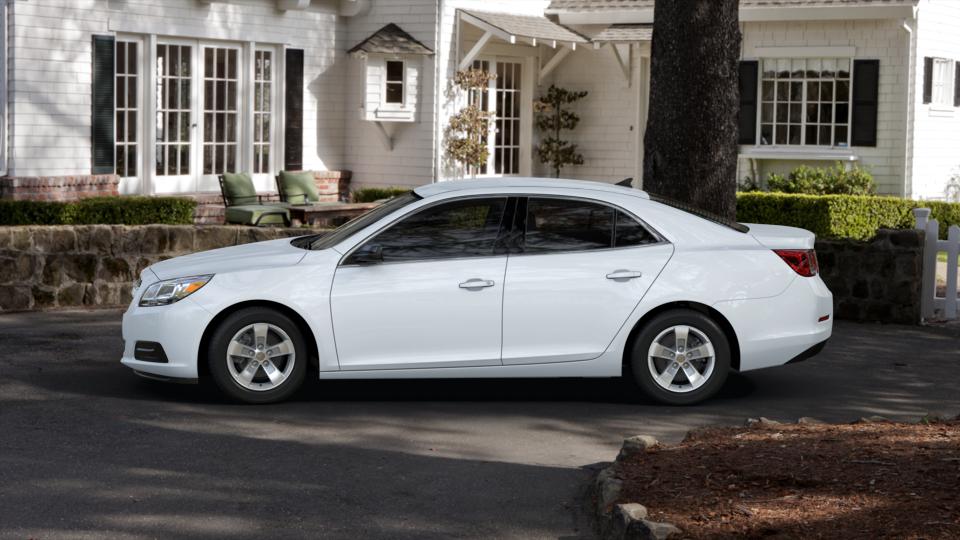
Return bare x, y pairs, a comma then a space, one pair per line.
58, 188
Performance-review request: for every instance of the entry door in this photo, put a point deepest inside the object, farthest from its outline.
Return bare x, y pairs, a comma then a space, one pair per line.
583, 269
198, 114
432, 298
175, 165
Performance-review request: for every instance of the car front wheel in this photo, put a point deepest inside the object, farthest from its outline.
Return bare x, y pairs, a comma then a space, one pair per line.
681, 357
257, 355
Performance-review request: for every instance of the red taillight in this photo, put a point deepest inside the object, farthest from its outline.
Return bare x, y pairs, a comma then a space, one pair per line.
803, 261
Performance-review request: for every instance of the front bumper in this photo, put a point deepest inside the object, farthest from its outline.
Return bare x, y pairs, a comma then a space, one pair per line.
178, 328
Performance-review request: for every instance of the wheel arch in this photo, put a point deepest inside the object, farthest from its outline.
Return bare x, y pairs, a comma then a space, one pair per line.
718, 317
203, 369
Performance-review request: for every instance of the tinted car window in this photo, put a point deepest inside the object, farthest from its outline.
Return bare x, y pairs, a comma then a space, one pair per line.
554, 225
629, 232
467, 228
359, 223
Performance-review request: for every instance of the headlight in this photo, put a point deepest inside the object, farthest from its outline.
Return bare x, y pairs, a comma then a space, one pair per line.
169, 291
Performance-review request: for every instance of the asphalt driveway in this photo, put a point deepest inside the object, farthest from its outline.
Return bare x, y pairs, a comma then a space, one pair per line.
88, 450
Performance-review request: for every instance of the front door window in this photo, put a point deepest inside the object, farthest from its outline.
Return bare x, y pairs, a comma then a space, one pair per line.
173, 93
220, 110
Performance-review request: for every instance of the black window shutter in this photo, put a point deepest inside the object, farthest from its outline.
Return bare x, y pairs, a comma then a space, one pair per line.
749, 71
956, 84
866, 81
102, 82
927, 79
293, 133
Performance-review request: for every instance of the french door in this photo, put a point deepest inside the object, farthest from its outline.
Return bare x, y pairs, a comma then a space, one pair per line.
504, 97
214, 111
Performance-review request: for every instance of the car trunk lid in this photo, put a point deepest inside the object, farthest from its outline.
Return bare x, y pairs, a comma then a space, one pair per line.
781, 237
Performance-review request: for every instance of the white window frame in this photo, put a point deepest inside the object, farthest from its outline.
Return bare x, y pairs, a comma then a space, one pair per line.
943, 80
803, 105
149, 181
138, 110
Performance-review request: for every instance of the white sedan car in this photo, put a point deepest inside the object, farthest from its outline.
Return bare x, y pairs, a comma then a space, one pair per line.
489, 278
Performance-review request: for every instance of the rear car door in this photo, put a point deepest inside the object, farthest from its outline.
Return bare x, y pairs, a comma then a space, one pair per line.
579, 269
425, 292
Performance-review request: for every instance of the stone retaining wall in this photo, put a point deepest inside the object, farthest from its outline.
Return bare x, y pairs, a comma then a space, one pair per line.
45, 267
877, 280
94, 265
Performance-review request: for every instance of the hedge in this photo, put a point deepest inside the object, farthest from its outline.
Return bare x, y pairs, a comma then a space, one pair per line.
100, 210
840, 216
373, 194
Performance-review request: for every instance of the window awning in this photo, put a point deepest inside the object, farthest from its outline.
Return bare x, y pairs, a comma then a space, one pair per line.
513, 28
391, 39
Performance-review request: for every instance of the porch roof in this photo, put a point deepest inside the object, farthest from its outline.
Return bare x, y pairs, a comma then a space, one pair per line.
557, 6
624, 33
511, 27
391, 39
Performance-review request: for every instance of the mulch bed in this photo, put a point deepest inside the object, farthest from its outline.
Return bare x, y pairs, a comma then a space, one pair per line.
863, 480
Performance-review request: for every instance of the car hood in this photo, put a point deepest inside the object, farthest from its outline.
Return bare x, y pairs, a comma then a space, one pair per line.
258, 255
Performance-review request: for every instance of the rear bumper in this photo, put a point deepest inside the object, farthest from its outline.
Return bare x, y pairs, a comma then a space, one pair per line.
809, 353
777, 330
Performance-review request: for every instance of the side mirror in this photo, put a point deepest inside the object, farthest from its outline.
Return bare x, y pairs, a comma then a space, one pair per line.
371, 254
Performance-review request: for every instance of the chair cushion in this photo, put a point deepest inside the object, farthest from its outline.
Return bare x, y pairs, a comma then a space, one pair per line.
298, 187
249, 214
238, 189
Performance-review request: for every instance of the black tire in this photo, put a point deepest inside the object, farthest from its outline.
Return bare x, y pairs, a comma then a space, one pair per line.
687, 317
217, 355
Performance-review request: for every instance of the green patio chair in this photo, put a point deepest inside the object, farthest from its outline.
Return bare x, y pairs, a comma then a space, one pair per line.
297, 187
245, 207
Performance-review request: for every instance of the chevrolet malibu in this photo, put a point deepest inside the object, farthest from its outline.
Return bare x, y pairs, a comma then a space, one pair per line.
489, 279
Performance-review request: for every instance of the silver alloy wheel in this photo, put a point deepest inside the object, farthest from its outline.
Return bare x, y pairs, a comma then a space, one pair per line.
260, 357
681, 359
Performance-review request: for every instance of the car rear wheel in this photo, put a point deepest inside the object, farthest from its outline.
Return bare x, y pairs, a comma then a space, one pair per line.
681, 357
257, 355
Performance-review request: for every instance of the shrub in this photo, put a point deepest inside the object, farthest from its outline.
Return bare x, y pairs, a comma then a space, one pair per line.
840, 216
100, 210
372, 194
836, 180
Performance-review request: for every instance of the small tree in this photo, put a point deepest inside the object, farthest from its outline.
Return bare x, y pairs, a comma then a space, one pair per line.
466, 135
551, 119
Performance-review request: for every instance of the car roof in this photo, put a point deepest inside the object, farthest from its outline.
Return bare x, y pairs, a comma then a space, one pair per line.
513, 182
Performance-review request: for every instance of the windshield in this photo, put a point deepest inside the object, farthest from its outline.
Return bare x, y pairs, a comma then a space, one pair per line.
341, 233
739, 227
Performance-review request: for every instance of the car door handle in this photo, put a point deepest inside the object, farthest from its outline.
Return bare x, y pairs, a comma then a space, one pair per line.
477, 284
624, 274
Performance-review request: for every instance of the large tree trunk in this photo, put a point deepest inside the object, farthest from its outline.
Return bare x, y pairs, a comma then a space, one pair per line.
690, 146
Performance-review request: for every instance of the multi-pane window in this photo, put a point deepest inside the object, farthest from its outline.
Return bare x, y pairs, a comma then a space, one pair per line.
174, 66
220, 111
126, 106
394, 82
481, 100
805, 101
262, 111
943, 79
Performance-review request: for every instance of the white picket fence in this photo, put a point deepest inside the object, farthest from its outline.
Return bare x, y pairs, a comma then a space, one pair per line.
931, 304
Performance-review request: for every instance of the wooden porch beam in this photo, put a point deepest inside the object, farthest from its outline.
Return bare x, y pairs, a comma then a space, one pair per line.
554, 62
468, 59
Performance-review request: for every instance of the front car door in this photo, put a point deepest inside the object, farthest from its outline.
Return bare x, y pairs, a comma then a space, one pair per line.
581, 268
425, 292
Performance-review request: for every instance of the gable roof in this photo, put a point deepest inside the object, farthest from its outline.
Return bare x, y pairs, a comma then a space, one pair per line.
391, 39
557, 6
624, 33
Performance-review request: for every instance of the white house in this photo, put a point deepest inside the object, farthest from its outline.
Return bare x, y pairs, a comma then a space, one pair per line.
166, 95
